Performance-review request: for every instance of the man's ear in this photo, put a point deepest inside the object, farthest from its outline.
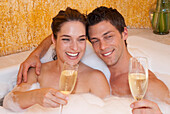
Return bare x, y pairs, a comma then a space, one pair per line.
125, 33
53, 39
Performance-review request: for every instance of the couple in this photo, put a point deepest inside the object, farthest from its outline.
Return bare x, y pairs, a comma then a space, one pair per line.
107, 32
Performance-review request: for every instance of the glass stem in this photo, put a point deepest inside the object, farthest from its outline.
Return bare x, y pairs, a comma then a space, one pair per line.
61, 108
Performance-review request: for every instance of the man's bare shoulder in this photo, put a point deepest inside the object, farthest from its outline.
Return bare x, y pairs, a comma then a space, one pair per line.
154, 79
157, 89
154, 82
151, 75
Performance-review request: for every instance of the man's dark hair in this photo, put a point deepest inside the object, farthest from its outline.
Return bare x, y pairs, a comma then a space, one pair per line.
106, 14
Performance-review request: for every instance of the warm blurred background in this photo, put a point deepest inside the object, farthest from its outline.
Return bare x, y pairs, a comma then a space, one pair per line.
25, 23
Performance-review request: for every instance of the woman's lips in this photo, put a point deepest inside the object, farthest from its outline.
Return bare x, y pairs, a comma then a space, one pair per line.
72, 54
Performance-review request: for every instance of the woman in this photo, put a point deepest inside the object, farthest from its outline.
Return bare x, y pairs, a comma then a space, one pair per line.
69, 37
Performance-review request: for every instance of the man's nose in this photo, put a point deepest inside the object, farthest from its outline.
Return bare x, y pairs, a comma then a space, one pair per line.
103, 45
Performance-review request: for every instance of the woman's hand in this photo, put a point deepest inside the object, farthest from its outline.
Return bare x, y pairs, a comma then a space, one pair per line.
49, 97
145, 107
31, 61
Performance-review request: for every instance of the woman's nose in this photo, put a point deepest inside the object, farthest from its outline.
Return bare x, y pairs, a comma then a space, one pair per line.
74, 46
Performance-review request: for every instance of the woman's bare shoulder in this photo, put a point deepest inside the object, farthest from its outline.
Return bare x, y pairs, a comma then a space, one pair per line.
90, 72
45, 67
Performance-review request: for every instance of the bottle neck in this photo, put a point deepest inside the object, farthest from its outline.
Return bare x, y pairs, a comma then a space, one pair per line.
162, 5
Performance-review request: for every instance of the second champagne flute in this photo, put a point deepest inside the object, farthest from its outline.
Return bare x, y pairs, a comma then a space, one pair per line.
138, 76
68, 79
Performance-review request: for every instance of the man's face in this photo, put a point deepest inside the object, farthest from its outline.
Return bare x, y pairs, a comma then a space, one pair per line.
71, 42
107, 42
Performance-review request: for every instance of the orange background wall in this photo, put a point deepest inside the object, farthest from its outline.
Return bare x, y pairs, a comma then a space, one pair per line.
25, 23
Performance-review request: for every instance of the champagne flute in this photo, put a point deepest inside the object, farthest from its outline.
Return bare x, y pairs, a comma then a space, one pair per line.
138, 76
68, 79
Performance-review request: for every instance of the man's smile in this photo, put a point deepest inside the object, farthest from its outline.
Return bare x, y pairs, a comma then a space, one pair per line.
108, 53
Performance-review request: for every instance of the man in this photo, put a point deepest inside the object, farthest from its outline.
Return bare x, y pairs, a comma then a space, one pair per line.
108, 33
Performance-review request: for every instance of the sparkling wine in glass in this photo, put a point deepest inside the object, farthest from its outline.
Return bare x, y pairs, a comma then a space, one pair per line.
138, 76
68, 79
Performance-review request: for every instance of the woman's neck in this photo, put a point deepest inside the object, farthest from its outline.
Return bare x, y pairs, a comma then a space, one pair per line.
59, 65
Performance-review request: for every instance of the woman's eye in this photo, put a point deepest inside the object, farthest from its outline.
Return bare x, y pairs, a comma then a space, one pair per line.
82, 39
66, 39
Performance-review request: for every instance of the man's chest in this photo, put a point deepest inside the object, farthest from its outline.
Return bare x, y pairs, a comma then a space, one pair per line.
120, 87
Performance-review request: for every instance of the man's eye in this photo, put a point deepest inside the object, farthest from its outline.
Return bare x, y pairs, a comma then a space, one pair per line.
109, 36
94, 41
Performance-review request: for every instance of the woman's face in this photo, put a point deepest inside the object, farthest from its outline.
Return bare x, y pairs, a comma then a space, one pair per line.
71, 42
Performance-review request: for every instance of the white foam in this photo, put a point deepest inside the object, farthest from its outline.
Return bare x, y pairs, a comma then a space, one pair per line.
13, 106
10, 104
89, 104
34, 86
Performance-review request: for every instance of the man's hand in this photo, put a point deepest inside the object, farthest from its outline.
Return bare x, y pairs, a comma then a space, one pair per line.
31, 61
145, 107
34, 59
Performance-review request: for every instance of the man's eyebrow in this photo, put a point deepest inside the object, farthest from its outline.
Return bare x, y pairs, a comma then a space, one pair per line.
102, 35
107, 33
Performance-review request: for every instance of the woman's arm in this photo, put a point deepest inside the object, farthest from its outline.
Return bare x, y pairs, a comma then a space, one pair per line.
34, 60
22, 97
47, 97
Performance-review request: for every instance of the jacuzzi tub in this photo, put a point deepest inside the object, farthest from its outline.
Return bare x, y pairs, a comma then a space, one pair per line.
158, 55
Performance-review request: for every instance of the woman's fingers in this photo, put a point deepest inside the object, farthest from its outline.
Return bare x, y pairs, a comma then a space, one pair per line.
50, 103
58, 97
53, 98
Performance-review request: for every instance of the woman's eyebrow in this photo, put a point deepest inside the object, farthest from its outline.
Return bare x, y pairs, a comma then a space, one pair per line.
65, 36
82, 36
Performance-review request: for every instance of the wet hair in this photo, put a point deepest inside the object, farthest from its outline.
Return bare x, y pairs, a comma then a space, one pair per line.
106, 14
66, 16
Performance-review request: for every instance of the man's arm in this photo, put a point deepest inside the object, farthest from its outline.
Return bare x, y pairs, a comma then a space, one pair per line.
34, 59
43, 47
